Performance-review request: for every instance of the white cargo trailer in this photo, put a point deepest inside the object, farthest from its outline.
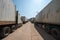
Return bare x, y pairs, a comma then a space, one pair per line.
19, 21
49, 18
9, 18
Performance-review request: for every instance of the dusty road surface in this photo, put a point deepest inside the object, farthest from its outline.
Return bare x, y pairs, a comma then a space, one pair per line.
29, 32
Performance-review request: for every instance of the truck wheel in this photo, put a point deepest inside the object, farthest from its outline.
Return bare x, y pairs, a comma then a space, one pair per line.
13, 28
55, 33
43, 26
47, 30
5, 31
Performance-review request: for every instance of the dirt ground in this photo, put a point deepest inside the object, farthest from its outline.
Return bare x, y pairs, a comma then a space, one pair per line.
29, 32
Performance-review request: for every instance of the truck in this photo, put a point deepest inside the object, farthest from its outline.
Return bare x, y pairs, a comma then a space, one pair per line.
9, 18
24, 19
49, 18
20, 23
32, 20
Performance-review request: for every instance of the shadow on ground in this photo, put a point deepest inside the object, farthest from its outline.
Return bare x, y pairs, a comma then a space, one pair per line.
45, 35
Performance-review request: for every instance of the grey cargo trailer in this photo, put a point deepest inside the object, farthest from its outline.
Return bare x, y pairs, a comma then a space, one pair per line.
24, 19
49, 18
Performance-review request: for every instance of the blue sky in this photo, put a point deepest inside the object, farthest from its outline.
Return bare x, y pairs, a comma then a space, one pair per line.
30, 8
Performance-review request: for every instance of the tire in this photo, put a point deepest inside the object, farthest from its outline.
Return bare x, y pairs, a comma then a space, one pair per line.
36, 25
40, 25
13, 28
47, 29
43, 27
55, 33
5, 31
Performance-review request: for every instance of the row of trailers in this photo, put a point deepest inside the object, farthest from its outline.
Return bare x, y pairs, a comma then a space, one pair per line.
10, 19
49, 18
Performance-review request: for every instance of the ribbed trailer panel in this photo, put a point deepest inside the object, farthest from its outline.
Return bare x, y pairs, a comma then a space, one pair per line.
50, 14
7, 11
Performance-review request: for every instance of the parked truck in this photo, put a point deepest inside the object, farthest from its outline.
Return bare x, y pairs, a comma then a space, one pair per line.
20, 23
32, 20
24, 19
49, 18
9, 18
